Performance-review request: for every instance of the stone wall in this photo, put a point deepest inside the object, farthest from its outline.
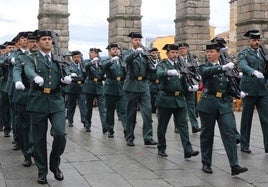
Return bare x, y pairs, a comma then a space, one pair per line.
53, 15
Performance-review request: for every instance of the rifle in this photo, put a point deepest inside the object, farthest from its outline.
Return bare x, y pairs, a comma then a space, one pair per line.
232, 75
57, 54
194, 61
185, 71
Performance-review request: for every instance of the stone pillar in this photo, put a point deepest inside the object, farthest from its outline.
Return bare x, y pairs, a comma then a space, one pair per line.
251, 15
53, 15
124, 17
192, 24
232, 33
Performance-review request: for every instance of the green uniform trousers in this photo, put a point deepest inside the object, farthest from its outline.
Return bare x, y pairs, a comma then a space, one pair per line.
227, 127
113, 102
249, 104
39, 122
164, 115
142, 99
72, 100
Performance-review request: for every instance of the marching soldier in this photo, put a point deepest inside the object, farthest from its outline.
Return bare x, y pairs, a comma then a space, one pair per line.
115, 96
45, 103
137, 91
93, 87
190, 97
253, 64
154, 82
74, 92
170, 100
216, 105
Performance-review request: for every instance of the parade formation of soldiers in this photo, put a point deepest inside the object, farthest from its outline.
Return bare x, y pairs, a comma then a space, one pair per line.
38, 87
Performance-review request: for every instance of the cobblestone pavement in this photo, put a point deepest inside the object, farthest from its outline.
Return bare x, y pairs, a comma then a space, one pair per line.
93, 159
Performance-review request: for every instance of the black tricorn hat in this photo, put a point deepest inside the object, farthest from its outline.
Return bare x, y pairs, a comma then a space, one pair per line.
135, 35
97, 50
8, 43
183, 44
254, 34
112, 45
214, 45
219, 40
41, 33
75, 53
31, 36
169, 47
153, 49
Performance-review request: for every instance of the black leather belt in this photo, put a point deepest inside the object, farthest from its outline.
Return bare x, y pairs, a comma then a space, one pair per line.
218, 94
175, 93
139, 78
78, 82
116, 78
46, 90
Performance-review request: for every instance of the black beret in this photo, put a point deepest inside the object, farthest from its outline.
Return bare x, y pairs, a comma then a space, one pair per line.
76, 53
214, 45
135, 35
97, 50
111, 45
183, 44
254, 34
169, 47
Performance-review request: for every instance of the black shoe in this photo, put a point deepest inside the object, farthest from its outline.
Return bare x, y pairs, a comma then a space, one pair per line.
162, 153
237, 141
27, 163
246, 150
104, 130
1, 129
88, 129
58, 175
176, 130
237, 170
189, 155
16, 147
196, 129
266, 150
207, 169
130, 143
110, 135
42, 180
150, 142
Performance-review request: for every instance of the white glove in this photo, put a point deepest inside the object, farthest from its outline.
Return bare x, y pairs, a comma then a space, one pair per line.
193, 88
13, 60
39, 80
240, 75
172, 72
95, 59
258, 74
228, 66
66, 80
19, 85
139, 50
115, 59
242, 94
74, 75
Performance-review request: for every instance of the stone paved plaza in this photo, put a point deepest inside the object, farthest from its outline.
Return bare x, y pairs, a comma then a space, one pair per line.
93, 159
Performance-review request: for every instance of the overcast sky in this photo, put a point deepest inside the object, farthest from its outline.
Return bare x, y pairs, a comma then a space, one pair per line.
88, 23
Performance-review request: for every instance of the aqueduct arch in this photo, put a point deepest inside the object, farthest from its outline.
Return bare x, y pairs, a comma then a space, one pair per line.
191, 20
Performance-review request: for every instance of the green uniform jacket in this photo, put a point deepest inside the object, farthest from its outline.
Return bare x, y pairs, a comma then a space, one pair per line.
214, 81
38, 101
153, 78
20, 96
115, 76
168, 86
94, 77
137, 68
77, 82
248, 62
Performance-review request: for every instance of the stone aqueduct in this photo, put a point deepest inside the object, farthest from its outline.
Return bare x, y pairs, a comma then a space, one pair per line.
191, 20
